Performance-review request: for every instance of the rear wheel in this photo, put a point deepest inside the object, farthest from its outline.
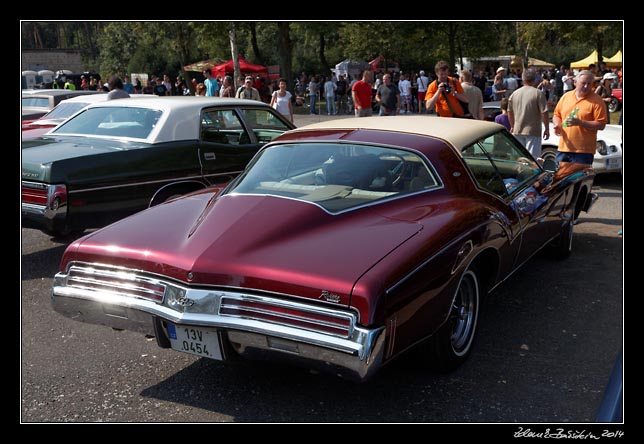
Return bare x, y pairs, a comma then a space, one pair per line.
451, 344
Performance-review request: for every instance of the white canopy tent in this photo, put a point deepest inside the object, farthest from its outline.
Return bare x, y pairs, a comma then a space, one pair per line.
350, 67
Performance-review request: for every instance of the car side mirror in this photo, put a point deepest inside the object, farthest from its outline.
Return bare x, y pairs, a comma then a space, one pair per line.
550, 165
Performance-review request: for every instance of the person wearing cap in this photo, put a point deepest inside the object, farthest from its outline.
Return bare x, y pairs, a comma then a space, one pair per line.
500, 85
423, 83
248, 91
605, 88
578, 138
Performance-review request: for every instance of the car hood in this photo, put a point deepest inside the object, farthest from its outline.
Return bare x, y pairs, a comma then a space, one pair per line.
259, 242
40, 153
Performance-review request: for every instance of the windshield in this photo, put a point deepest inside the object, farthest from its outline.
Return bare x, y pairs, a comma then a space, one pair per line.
335, 176
115, 121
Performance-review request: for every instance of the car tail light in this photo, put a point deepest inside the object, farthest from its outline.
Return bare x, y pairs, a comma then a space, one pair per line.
52, 197
37, 196
290, 314
122, 283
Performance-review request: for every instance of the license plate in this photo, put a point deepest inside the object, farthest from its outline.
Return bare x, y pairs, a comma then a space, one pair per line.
195, 340
613, 164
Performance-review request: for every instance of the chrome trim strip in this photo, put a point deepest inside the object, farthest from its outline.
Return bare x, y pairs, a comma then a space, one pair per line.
365, 205
34, 185
169, 181
34, 208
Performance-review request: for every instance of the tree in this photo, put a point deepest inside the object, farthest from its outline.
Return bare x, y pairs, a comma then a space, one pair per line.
285, 49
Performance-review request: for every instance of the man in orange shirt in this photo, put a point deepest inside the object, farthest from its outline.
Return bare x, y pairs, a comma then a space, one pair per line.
577, 139
445, 89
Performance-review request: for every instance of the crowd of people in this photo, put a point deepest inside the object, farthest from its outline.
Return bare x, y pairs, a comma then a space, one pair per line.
525, 98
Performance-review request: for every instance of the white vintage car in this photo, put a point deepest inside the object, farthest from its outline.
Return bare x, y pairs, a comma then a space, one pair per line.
608, 153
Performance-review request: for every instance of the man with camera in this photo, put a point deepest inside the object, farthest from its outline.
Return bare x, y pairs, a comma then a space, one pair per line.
445, 93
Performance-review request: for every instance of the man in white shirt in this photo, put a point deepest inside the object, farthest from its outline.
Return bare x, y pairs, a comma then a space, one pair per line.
423, 83
404, 86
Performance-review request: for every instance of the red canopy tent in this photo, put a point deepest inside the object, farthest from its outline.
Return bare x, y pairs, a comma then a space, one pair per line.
382, 64
244, 66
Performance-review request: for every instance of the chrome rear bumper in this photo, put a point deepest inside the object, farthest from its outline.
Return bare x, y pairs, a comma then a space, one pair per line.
327, 339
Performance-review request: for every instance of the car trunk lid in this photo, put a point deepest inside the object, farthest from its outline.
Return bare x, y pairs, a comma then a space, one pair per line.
257, 242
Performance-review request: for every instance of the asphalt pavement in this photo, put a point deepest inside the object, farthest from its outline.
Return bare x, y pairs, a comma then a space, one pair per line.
546, 344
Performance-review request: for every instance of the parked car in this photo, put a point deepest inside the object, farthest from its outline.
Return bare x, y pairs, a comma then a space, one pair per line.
65, 109
38, 102
611, 408
117, 157
615, 103
608, 154
342, 245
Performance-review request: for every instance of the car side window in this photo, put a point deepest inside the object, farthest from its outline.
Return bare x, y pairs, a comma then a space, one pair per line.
223, 126
500, 164
264, 124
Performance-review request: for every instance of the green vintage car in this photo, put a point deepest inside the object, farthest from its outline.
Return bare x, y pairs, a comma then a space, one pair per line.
118, 157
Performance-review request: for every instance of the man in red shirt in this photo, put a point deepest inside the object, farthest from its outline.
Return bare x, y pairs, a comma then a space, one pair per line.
361, 93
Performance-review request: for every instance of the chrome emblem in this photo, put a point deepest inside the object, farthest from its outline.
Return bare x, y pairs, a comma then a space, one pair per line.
184, 302
329, 297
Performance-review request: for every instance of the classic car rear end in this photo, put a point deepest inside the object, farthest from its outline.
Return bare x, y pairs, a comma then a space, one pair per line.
339, 248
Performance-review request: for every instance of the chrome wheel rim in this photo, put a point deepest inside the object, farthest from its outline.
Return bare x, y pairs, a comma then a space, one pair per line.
464, 313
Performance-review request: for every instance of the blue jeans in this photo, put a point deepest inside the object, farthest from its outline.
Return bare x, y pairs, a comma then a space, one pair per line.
330, 105
312, 104
585, 158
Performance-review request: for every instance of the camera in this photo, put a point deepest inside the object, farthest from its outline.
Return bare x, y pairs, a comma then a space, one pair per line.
448, 89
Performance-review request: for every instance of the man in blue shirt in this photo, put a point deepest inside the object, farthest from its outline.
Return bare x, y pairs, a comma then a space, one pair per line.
212, 86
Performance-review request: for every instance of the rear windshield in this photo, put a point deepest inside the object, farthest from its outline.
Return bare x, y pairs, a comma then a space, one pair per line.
335, 176
129, 122
65, 109
40, 102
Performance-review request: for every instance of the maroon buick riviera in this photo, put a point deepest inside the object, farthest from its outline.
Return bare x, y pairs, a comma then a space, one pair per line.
342, 245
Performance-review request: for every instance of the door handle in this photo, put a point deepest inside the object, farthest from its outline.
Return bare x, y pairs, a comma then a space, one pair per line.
209, 156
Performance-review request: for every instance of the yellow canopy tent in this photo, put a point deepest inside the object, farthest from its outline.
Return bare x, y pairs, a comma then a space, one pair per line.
585, 62
614, 61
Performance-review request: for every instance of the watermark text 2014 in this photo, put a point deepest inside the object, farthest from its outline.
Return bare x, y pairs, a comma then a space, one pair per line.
561, 433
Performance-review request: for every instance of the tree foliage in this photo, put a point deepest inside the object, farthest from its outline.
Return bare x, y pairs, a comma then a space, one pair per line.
315, 47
